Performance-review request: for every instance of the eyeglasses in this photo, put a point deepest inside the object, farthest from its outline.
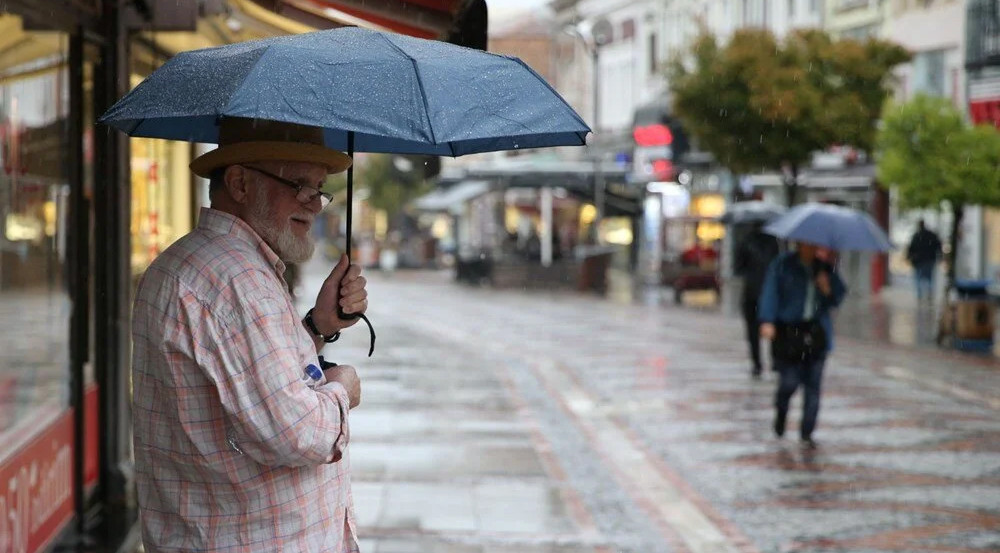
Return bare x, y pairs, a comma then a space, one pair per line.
304, 194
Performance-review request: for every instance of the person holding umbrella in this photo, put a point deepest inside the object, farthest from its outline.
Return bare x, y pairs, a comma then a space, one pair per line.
240, 441
233, 452
800, 291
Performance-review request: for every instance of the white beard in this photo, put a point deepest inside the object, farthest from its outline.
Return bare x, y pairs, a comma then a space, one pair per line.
290, 248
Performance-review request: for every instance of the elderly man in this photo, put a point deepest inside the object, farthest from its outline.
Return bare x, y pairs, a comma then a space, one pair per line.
237, 450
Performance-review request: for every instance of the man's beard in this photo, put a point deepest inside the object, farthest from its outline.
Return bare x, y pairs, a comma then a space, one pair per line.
290, 248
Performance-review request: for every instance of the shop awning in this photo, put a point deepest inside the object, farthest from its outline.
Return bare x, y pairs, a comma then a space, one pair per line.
451, 198
457, 21
850, 177
576, 177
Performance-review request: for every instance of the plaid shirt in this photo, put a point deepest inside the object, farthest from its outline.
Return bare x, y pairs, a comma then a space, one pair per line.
234, 453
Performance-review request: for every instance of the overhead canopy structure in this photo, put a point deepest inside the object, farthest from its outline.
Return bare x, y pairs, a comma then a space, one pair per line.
576, 177
457, 21
451, 199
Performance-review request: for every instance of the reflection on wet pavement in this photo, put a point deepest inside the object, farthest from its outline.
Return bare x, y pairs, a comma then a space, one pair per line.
512, 421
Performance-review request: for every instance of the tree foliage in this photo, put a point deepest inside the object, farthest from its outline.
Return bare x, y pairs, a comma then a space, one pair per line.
390, 188
928, 152
931, 155
757, 103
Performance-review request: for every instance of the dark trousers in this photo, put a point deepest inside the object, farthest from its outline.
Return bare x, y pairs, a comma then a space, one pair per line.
809, 375
753, 331
924, 273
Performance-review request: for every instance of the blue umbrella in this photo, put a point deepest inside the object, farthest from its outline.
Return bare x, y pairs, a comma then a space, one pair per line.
394, 93
830, 226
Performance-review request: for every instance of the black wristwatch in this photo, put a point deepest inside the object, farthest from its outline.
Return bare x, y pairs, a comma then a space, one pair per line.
311, 325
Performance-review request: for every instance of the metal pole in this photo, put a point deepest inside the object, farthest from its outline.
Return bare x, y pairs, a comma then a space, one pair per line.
79, 269
546, 209
598, 174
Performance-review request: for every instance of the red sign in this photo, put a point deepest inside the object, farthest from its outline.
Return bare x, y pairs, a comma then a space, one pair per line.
985, 111
92, 434
36, 489
653, 135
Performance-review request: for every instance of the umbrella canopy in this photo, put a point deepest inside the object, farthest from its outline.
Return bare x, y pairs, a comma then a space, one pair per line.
751, 212
396, 94
830, 226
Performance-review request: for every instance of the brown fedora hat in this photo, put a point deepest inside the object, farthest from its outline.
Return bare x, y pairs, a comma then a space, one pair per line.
246, 140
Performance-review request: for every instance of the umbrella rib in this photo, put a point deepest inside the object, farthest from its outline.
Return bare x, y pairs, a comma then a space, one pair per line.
420, 83
242, 84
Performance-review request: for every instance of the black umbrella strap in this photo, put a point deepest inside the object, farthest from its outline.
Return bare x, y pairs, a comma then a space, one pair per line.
371, 331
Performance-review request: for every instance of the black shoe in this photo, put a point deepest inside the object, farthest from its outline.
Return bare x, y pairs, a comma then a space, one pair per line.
808, 443
779, 425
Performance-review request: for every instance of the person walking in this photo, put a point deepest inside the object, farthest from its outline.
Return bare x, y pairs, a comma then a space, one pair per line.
923, 254
753, 256
799, 292
240, 438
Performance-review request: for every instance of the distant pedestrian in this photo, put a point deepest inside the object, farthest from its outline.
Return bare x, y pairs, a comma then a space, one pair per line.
798, 294
753, 255
923, 253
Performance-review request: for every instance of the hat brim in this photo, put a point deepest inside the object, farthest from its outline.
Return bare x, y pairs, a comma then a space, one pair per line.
246, 152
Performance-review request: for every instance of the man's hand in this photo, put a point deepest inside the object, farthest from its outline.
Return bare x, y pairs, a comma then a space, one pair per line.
348, 378
345, 287
767, 331
823, 283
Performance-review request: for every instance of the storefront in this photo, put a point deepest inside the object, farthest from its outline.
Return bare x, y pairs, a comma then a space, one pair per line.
83, 211
49, 399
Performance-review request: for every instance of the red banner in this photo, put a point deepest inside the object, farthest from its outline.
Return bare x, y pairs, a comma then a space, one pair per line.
985, 111
91, 437
36, 489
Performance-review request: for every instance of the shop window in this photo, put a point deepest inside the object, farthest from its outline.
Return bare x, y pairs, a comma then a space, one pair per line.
161, 198
34, 232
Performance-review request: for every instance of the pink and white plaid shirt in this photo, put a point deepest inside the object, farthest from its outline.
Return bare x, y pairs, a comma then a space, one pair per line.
218, 357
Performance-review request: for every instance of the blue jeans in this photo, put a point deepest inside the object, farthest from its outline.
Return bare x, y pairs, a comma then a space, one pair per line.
809, 375
924, 273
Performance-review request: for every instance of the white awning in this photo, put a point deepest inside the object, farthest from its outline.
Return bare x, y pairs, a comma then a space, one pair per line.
451, 198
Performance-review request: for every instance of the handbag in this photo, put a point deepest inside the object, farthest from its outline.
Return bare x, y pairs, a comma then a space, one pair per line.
799, 342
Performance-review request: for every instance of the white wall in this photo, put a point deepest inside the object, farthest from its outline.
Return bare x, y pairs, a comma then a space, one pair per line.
940, 27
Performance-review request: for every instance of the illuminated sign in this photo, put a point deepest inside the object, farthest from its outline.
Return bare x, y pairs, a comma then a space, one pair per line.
653, 135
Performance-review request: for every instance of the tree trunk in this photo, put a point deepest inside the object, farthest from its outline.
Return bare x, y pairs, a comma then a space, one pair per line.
957, 212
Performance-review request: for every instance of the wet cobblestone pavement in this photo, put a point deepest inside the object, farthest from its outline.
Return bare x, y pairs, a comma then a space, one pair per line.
495, 422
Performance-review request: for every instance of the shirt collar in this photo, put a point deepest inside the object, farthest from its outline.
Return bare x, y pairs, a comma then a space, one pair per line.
226, 223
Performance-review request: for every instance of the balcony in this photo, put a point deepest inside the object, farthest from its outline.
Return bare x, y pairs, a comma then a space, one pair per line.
982, 34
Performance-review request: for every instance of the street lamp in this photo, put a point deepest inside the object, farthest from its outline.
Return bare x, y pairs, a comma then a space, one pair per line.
594, 35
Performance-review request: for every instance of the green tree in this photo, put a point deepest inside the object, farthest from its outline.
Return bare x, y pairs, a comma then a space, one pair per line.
932, 156
391, 188
757, 103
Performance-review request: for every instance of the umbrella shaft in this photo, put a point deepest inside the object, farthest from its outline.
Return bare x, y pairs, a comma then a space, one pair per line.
350, 191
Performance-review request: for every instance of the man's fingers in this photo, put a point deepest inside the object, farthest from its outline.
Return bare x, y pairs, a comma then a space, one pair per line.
341, 269
352, 274
359, 306
353, 287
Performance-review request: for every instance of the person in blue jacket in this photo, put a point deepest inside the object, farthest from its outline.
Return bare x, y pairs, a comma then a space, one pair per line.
799, 288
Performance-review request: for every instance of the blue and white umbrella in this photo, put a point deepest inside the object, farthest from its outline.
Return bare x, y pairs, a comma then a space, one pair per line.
830, 226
